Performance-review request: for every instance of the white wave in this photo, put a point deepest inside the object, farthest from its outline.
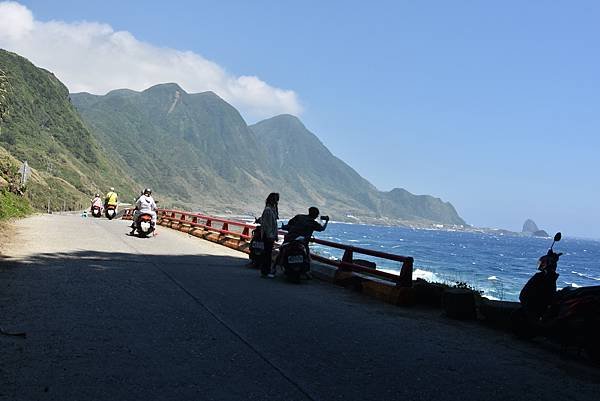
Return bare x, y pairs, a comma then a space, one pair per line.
352, 240
426, 275
492, 278
585, 276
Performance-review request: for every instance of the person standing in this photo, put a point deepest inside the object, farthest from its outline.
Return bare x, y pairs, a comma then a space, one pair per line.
268, 224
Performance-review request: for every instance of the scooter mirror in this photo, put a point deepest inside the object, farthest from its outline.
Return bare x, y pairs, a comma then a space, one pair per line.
557, 237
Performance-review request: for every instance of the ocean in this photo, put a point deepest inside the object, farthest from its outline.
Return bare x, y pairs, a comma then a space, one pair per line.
498, 265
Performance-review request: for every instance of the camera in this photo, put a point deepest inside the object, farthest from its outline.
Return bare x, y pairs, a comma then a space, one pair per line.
325, 218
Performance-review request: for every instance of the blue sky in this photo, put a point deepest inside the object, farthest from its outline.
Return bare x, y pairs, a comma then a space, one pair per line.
493, 107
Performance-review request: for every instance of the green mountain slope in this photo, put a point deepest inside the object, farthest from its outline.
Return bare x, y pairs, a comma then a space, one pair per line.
195, 147
198, 149
307, 165
42, 127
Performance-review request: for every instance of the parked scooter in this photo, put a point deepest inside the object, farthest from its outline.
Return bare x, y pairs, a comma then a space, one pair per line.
294, 259
572, 316
110, 212
257, 246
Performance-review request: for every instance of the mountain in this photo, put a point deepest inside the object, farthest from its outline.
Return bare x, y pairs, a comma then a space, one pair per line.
41, 126
309, 167
198, 149
194, 147
299, 159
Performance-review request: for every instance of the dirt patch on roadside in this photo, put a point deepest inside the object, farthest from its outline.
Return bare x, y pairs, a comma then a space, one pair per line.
8, 234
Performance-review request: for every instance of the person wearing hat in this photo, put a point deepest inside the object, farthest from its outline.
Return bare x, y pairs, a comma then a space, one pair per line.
111, 198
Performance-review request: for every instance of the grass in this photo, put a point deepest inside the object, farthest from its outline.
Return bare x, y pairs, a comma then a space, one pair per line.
12, 205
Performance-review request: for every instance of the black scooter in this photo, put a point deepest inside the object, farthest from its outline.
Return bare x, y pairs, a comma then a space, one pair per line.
571, 316
110, 211
294, 259
96, 211
257, 246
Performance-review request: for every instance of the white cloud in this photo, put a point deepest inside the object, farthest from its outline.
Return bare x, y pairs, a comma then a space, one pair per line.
92, 57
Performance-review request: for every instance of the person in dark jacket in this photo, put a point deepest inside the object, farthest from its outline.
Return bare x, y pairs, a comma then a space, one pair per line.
268, 225
304, 225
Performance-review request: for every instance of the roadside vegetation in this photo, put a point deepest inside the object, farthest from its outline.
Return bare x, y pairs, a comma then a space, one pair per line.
13, 202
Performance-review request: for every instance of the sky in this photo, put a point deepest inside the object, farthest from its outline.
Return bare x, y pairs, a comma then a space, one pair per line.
492, 106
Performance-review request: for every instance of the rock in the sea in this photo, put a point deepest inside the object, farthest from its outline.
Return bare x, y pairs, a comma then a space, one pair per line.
540, 233
530, 227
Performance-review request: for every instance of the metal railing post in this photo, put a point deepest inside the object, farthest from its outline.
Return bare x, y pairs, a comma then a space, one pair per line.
405, 278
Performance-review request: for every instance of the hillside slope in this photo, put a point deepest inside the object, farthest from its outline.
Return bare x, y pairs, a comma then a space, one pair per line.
43, 128
309, 167
194, 147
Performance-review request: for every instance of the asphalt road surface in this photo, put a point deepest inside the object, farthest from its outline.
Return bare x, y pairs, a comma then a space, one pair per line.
172, 317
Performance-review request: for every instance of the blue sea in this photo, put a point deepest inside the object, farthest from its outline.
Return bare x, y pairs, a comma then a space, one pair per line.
498, 265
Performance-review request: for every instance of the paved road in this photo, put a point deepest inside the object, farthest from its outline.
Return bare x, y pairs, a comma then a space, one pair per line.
112, 317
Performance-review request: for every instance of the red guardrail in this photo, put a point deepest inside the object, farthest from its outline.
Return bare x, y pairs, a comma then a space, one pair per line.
243, 231
205, 222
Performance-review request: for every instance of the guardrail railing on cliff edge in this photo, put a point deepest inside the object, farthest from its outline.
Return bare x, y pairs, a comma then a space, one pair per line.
237, 235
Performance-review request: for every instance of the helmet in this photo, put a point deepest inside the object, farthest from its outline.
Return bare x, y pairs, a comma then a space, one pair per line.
97, 195
112, 188
147, 191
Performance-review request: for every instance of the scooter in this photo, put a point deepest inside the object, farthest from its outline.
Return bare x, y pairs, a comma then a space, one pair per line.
144, 225
257, 246
571, 316
96, 211
294, 259
110, 211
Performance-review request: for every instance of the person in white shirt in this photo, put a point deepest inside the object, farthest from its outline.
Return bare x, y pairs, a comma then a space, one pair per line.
96, 202
144, 205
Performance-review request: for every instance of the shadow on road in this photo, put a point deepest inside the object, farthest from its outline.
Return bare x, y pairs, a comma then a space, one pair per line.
151, 326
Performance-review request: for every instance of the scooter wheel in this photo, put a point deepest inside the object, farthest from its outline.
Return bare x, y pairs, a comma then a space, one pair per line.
521, 325
293, 277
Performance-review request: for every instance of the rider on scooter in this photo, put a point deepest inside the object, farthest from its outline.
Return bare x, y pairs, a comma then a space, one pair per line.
96, 202
144, 205
111, 199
